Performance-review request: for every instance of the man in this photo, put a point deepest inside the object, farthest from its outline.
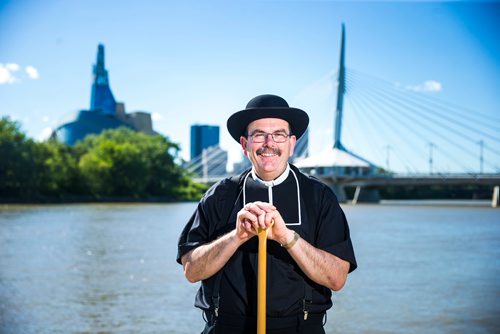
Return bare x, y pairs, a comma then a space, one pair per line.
309, 252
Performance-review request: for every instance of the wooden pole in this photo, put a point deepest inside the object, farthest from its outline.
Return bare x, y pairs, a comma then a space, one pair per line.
262, 280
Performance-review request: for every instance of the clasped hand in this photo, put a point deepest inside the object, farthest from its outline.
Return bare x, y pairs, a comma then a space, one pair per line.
261, 215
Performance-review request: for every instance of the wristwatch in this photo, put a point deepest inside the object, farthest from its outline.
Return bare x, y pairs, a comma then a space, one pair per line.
289, 245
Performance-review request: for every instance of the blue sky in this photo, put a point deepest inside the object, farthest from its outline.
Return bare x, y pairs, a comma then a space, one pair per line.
192, 62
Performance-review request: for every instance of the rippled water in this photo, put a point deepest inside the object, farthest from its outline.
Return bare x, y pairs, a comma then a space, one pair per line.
111, 269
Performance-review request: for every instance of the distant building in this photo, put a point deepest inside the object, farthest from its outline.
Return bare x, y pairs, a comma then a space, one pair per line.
104, 113
207, 158
202, 137
337, 162
301, 149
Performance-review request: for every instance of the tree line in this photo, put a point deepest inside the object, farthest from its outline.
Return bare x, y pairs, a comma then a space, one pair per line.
117, 164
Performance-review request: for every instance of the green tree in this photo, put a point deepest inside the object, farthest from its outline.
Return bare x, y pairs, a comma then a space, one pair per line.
114, 168
121, 162
31, 170
59, 175
17, 163
115, 163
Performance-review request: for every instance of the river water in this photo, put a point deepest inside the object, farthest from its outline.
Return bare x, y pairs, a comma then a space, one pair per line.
104, 268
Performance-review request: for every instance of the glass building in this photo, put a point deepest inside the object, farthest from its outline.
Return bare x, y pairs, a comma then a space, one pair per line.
202, 137
104, 113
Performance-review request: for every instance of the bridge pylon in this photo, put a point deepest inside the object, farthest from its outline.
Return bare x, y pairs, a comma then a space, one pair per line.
337, 163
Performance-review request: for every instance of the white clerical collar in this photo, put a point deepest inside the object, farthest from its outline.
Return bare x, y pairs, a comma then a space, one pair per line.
274, 182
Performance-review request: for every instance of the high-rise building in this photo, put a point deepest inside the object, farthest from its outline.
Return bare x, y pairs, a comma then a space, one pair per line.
202, 137
301, 149
208, 159
104, 113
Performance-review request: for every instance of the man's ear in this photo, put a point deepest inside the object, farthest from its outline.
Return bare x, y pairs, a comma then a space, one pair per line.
293, 140
243, 143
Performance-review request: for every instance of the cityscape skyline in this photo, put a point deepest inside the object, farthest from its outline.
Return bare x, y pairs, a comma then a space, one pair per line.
196, 63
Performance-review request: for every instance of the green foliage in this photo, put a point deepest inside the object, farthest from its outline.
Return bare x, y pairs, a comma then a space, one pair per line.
60, 175
18, 164
118, 163
114, 168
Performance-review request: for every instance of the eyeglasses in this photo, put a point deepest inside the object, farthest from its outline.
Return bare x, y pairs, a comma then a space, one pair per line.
278, 136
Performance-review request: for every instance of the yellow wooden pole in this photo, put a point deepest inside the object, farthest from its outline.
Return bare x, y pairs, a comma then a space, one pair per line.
262, 280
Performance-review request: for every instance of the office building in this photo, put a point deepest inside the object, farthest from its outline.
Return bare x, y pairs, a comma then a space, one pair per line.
202, 137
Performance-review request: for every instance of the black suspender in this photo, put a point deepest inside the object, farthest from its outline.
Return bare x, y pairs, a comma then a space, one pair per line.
307, 301
216, 292
235, 182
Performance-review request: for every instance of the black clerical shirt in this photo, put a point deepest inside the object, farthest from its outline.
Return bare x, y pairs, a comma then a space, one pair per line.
307, 206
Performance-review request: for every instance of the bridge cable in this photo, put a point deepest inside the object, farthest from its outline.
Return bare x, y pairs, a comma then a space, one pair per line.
402, 107
444, 126
373, 123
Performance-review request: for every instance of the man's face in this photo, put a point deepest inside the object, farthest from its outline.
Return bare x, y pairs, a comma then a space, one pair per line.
268, 157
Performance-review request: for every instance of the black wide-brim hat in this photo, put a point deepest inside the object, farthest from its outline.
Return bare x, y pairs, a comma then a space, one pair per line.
267, 106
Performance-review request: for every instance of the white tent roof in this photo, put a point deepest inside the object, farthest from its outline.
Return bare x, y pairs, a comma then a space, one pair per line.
332, 157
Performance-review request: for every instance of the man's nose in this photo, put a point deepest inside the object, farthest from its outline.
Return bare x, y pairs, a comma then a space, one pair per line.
269, 138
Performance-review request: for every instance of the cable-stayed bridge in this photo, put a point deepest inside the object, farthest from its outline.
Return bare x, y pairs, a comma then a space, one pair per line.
385, 134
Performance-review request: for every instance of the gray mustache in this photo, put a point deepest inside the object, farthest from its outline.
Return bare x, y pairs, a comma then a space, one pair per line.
264, 150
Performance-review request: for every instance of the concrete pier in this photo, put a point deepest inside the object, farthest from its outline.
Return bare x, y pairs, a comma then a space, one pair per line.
496, 197
366, 195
